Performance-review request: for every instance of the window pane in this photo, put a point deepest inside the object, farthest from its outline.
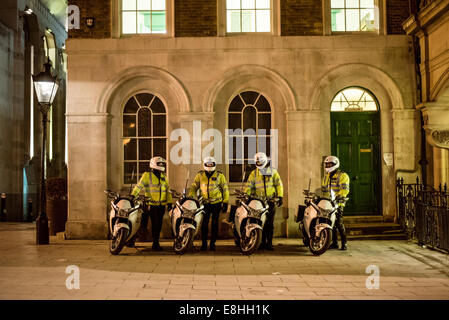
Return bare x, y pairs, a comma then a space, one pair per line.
129, 22
366, 3
158, 22
143, 22
263, 21
250, 147
367, 20
262, 104
144, 167
352, 3
131, 106
263, 4
129, 5
144, 99
157, 106
265, 122
338, 19
130, 149
235, 172
249, 96
160, 148
352, 20
233, 21
337, 3
129, 168
249, 118
263, 144
248, 168
158, 5
129, 126
159, 126
144, 118
248, 4
248, 21
145, 149
234, 121
232, 4
236, 104
143, 4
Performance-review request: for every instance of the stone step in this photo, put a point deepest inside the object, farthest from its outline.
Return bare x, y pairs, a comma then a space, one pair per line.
363, 219
393, 236
372, 228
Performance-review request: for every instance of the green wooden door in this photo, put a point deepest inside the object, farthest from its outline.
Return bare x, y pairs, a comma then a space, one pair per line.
356, 142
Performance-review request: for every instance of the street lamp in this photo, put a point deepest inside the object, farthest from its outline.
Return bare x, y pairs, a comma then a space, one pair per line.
46, 87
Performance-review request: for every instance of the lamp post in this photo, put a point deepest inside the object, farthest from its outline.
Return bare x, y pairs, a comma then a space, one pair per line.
46, 87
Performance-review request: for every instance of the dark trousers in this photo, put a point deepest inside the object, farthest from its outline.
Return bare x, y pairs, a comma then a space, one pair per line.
156, 213
214, 211
340, 227
268, 228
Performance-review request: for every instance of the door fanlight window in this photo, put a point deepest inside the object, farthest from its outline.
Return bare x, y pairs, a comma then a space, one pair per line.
354, 99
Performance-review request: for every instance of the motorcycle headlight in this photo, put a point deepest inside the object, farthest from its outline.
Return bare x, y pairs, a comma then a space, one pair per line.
326, 212
188, 213
122, 213
255, 213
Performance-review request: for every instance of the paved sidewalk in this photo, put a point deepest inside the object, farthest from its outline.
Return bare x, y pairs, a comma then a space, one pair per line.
27, 271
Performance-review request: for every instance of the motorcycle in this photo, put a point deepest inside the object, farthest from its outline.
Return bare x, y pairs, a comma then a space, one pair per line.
186, 217
316, 220
249, 219
123, 220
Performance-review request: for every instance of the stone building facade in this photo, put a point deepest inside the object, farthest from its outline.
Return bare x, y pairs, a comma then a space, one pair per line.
197, 68
29, 35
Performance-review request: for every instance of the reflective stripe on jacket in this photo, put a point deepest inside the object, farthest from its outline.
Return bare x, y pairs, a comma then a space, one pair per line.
339, 183
267, 185
213, 188
156, 189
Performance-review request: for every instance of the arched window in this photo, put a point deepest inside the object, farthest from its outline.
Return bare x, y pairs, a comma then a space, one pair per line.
249, 124
144, 134
354, 99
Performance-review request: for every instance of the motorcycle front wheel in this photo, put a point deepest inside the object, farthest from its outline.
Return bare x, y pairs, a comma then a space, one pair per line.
320, 244
249, 245
182, 245
116, 244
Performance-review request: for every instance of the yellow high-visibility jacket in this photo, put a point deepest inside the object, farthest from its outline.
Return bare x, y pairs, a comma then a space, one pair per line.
265, 186
339, 183
155, 188
214, 188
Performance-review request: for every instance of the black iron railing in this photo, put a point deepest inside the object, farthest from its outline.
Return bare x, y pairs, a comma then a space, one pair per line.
423, 213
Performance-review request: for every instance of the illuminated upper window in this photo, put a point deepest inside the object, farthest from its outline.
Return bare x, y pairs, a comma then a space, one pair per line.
248, 16
143, 16
353, 15
354, 99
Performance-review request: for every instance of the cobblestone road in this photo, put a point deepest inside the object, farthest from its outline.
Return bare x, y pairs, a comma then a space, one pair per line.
27, 271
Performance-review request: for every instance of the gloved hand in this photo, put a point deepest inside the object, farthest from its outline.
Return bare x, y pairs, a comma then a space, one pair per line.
280, 202
132, 197
169, 206
224, 207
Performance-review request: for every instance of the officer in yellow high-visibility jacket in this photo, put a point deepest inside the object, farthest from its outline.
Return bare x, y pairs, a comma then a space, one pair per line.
215, 192
338, 181
156, 186
266, 183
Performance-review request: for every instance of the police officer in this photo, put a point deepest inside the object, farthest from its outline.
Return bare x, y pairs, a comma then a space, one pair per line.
215, 192
157, 189
265, 183
338, 181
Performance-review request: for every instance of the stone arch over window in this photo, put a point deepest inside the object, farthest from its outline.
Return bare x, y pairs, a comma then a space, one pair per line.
249, 122
144, 134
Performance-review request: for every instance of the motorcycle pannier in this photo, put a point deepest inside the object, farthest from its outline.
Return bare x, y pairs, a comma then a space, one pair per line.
300, 215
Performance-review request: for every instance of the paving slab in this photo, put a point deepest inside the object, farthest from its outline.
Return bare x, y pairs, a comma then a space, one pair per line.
404, 271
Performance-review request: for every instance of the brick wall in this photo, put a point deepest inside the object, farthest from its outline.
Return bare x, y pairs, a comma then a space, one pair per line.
195, 18
397, 12
301, 18
98, 9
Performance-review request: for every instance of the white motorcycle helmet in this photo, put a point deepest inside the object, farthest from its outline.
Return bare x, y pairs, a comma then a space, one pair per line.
209, 164
158, 163
331, 163
260, 160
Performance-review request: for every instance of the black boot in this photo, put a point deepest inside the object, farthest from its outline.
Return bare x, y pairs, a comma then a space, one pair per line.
343, 246
156, 246
204, 246
212, 246
334, 245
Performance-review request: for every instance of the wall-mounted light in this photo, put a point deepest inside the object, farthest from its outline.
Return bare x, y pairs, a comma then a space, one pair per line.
28, 10
90, 22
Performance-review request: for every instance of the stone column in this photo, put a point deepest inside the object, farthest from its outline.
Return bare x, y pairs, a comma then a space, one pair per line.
304, 159
87, 176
